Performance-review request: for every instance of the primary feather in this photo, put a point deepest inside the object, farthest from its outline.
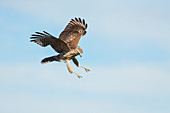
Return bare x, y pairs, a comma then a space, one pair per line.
45, 39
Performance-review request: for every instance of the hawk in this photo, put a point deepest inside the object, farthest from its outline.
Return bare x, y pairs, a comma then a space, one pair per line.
66, 45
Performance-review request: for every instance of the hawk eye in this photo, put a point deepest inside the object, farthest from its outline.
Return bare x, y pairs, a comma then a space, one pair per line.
81, 31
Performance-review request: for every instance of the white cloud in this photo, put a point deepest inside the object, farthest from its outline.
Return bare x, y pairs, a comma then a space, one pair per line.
143, 21
141, 79
50, 88
28, 103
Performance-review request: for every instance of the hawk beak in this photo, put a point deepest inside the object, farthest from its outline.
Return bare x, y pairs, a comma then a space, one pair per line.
80, 55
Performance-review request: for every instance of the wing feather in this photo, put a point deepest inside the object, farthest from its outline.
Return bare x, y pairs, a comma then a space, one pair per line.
45, 39
75, 29
76, 19
84, 22
80, 20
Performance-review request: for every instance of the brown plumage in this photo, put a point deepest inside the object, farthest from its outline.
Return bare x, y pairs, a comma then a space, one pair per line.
66, 45
73, 32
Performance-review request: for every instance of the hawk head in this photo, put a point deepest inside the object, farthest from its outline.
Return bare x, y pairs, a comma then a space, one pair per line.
81, 31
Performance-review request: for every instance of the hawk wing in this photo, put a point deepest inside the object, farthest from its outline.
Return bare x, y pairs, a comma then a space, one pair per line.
45, 39
73, 32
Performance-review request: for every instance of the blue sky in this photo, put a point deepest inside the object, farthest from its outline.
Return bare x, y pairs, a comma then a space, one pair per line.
126, 47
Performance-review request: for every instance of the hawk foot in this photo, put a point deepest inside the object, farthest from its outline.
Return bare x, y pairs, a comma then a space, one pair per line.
86, 69
79, 76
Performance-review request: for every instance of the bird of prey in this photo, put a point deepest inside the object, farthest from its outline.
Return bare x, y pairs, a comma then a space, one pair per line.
66, 45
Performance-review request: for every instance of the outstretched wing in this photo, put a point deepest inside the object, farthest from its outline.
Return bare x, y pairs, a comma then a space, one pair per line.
73, 32
45, 39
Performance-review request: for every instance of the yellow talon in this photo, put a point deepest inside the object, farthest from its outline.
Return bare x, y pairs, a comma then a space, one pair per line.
86, 69
79, 76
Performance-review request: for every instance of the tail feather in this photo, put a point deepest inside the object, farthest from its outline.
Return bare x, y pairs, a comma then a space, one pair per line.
48, 59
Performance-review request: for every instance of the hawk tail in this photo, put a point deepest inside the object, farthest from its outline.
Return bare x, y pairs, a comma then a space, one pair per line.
49, 59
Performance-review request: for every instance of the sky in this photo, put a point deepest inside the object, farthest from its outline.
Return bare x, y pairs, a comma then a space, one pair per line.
126, 48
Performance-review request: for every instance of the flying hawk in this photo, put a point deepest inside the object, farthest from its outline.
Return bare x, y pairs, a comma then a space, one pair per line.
66, 45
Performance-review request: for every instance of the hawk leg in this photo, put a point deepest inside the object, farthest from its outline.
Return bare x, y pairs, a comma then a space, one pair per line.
78, 65
71, 70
